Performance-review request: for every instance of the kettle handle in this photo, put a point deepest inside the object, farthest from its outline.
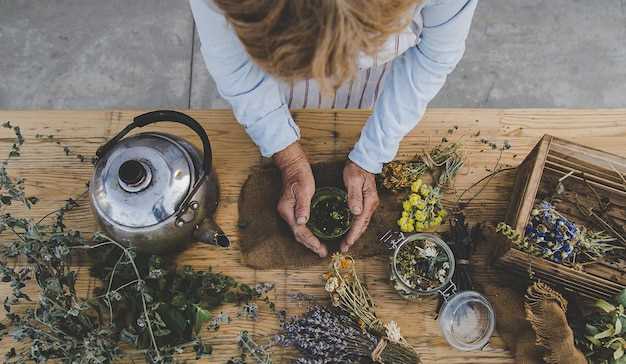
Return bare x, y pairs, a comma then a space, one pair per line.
160, 116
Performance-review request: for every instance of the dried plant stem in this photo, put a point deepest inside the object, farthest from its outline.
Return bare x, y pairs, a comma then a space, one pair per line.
487, 177
621, 176
358, 300
258, 353
108, 301
590, 213
17, 234
62, 208
495, 168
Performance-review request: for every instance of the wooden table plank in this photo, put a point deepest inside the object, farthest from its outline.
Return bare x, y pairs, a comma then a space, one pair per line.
326, 134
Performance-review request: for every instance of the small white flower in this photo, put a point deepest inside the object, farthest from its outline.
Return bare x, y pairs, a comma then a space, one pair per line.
446, 265
341, 289
331, 284
441, 275
428, 252
335, 300
393, 332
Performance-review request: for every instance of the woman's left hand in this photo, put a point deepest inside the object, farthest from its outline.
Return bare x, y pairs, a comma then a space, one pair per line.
362, 200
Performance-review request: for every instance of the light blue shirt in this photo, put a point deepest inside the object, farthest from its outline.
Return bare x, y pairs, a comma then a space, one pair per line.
416, 77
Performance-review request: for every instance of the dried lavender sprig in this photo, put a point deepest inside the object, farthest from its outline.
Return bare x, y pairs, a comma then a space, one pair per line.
331, 336
258, 353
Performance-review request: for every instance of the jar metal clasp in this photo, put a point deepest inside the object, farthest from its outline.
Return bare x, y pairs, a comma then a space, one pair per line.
392, 239
448, 291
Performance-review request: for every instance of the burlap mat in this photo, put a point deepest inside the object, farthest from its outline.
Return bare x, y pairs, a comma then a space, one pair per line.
267, 241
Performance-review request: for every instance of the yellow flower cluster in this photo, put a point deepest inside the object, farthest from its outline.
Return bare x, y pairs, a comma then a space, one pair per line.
422, 211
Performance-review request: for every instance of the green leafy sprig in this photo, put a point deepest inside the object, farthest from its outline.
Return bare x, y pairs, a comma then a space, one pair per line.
603, 338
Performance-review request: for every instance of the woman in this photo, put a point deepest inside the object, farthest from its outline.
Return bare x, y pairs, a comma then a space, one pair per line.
269, 55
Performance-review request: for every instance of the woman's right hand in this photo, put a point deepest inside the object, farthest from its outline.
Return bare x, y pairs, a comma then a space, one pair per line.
294, 205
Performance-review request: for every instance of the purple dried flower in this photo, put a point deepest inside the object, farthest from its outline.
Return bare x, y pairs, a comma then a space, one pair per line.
552, 236
325, 335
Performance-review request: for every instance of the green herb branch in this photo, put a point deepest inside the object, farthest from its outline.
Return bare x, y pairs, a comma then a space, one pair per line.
139, 282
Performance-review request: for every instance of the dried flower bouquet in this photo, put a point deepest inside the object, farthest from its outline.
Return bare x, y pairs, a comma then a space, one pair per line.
422, 210
351, 296
444, 161
332, 336
551, 235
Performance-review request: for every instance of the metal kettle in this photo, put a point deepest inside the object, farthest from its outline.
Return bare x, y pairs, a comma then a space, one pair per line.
156, 191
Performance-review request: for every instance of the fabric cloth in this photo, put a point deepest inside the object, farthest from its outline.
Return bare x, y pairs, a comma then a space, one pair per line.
530, 320
546, 311
399, 88
362, 92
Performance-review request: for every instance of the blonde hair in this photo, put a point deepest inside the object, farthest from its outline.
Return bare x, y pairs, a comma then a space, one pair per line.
315, 39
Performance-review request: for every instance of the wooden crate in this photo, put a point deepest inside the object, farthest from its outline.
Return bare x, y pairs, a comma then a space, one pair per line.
551, 159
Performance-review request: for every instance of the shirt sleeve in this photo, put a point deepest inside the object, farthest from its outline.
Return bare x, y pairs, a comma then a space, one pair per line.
415, 78
254, 96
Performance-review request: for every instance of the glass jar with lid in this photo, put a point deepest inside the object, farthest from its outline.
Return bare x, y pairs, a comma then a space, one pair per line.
467, 319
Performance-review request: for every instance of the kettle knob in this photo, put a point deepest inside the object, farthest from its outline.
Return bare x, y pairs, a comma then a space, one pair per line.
132, 172
134, 176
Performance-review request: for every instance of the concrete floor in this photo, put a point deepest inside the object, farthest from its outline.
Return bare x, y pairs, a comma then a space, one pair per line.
144, 54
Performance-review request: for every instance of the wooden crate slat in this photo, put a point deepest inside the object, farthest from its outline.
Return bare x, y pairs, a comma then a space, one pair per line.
527, 182
610, 175
590, 155
592, 181
586, 285
584, 173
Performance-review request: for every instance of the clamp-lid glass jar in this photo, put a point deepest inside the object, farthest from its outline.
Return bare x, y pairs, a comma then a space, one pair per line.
467, 319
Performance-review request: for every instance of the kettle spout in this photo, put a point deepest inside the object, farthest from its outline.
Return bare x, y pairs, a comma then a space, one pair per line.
209, 233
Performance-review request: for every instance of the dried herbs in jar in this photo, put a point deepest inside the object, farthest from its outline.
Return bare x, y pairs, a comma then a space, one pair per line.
422, 265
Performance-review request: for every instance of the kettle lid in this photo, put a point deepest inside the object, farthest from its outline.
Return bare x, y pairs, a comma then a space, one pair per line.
142, 180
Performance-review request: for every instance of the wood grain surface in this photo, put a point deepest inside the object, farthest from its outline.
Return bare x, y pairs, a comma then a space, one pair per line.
54, 176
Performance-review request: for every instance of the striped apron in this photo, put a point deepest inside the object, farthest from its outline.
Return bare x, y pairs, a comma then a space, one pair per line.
363, 90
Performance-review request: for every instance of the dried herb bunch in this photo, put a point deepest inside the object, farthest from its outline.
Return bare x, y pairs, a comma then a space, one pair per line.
422, 264
348, 294
603, 337
60, 325
249, 347
326, 335
443, 162
462, 240
422, 210
178, 300
143, 301
596, 210
554, 237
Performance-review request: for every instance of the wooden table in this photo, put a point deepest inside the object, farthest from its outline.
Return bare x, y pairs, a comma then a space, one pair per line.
54, 177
